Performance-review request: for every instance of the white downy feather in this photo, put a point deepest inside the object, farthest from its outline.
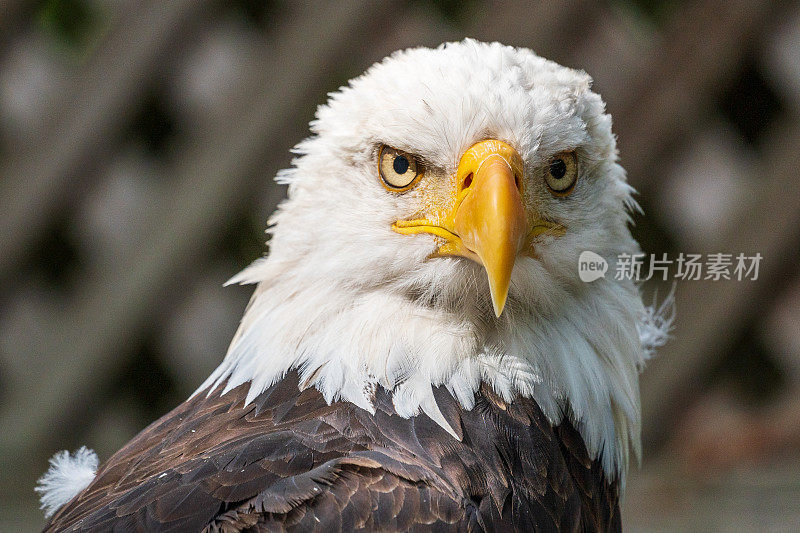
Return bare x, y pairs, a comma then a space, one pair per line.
68, 475
656, 323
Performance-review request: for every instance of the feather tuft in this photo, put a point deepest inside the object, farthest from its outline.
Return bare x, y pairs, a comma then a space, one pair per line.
68, 475
656, 324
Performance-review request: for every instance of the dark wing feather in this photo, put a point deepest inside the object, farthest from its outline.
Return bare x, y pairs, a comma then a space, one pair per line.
289, 461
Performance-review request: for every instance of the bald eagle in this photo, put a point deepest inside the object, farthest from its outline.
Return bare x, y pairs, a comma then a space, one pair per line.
420, 351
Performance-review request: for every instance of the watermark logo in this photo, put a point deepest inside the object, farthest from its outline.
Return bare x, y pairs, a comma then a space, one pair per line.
643, 267
591, 266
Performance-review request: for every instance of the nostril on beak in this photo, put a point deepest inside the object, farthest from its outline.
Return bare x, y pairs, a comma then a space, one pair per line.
467, 182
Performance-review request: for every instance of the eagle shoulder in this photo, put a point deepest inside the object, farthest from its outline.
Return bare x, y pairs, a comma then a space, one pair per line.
288, 460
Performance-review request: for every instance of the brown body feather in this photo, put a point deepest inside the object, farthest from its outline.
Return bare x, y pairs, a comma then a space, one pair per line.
290, 461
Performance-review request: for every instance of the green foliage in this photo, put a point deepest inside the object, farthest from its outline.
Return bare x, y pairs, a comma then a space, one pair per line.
453, 12
71, 23
657, 12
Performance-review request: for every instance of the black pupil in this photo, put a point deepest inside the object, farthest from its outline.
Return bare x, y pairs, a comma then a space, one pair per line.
400, 164
558, 169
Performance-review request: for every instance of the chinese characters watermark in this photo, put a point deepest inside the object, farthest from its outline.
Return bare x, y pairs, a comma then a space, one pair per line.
643, 267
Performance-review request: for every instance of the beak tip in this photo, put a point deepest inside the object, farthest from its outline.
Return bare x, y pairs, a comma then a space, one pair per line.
498, 303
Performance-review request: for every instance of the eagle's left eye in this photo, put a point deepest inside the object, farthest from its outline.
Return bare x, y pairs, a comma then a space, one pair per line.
399, 170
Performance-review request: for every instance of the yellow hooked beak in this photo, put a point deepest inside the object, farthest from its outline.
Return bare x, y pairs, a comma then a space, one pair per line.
487, 222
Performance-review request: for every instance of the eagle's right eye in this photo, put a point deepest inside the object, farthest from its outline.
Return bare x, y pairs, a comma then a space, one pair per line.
562, 172
399, 170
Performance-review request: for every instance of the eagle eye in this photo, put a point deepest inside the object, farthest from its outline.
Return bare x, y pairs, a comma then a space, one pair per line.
562, 173
399, 170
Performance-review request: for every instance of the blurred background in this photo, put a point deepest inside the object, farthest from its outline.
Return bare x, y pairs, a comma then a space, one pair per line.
138, 141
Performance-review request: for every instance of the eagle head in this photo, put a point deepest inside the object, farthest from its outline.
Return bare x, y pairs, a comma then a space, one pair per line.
431, 237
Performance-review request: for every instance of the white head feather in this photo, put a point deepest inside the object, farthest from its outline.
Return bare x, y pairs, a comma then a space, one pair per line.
352, 305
